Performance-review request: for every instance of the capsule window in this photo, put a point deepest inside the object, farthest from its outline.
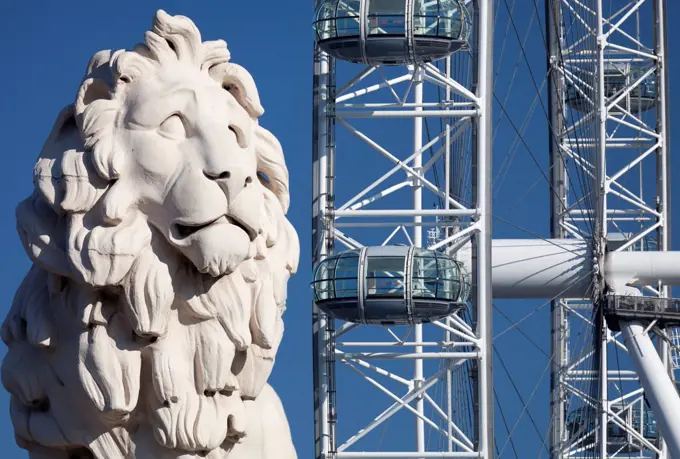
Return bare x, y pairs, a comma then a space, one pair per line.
346, 276
385, 276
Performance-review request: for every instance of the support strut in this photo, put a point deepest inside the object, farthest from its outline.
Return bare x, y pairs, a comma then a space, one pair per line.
659, 389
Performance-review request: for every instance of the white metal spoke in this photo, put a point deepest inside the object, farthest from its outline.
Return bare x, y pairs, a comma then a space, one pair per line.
408, 236
633, 202
628, 167
628, 14
465, 233
618, 97
614, 418
409, 170
451, 83
379, 195
372, 88
351, 83
463, 334
376, 369
385, 415
348, 241
403, 404
462, 125
639, 236
633, 126
391, 236
464, 442
389, 86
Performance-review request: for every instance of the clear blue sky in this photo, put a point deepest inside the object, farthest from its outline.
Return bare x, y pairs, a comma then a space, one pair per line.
45, 48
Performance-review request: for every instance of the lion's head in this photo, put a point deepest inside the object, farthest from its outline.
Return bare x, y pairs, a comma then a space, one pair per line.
171, 134
159, 208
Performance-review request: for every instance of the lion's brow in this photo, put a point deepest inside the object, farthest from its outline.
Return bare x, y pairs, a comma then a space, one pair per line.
152, 110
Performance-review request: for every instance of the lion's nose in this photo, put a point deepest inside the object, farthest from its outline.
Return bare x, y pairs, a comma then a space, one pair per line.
231, 181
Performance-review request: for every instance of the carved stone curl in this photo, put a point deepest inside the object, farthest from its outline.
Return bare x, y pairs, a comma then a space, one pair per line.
149, 322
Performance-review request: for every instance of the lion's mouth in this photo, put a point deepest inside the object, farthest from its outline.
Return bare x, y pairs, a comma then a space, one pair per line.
251, 232
183, 230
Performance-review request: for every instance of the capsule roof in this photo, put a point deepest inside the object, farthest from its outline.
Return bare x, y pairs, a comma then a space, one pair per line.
386, 32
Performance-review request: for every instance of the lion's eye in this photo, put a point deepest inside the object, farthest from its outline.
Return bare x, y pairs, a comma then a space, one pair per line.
173, 127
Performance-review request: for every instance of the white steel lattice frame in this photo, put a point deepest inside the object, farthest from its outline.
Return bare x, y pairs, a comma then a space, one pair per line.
460, 109
622, 143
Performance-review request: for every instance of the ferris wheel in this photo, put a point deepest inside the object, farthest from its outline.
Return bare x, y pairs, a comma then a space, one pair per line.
418, 124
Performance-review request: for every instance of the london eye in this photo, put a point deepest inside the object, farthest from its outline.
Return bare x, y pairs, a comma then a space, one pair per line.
480, 337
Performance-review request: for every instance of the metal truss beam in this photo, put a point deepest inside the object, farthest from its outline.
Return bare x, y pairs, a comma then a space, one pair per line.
392, 208
609, 164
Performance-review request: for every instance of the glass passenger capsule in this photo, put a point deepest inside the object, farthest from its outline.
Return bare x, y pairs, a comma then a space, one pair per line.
386, 32
617, 77
390, 285
583, 420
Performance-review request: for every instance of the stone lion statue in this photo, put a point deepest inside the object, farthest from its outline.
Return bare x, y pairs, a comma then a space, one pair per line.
148, 324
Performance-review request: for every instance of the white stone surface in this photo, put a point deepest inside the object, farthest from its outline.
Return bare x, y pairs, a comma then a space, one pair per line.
149, 322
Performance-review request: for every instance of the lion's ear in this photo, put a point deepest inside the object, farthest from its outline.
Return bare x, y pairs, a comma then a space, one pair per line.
239, 82
95, 114
91, 90
96, 84
99, 67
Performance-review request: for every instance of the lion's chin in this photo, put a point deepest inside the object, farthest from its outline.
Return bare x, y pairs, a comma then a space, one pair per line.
217, 249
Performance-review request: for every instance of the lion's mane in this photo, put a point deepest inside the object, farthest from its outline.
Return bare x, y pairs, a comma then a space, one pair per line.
115, 340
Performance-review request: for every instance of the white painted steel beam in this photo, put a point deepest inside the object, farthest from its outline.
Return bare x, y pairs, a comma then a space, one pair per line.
537, 268
548, 268
642, 268
659, 389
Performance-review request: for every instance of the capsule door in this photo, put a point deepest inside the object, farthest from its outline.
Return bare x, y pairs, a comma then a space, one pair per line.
386, 31
383, 289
